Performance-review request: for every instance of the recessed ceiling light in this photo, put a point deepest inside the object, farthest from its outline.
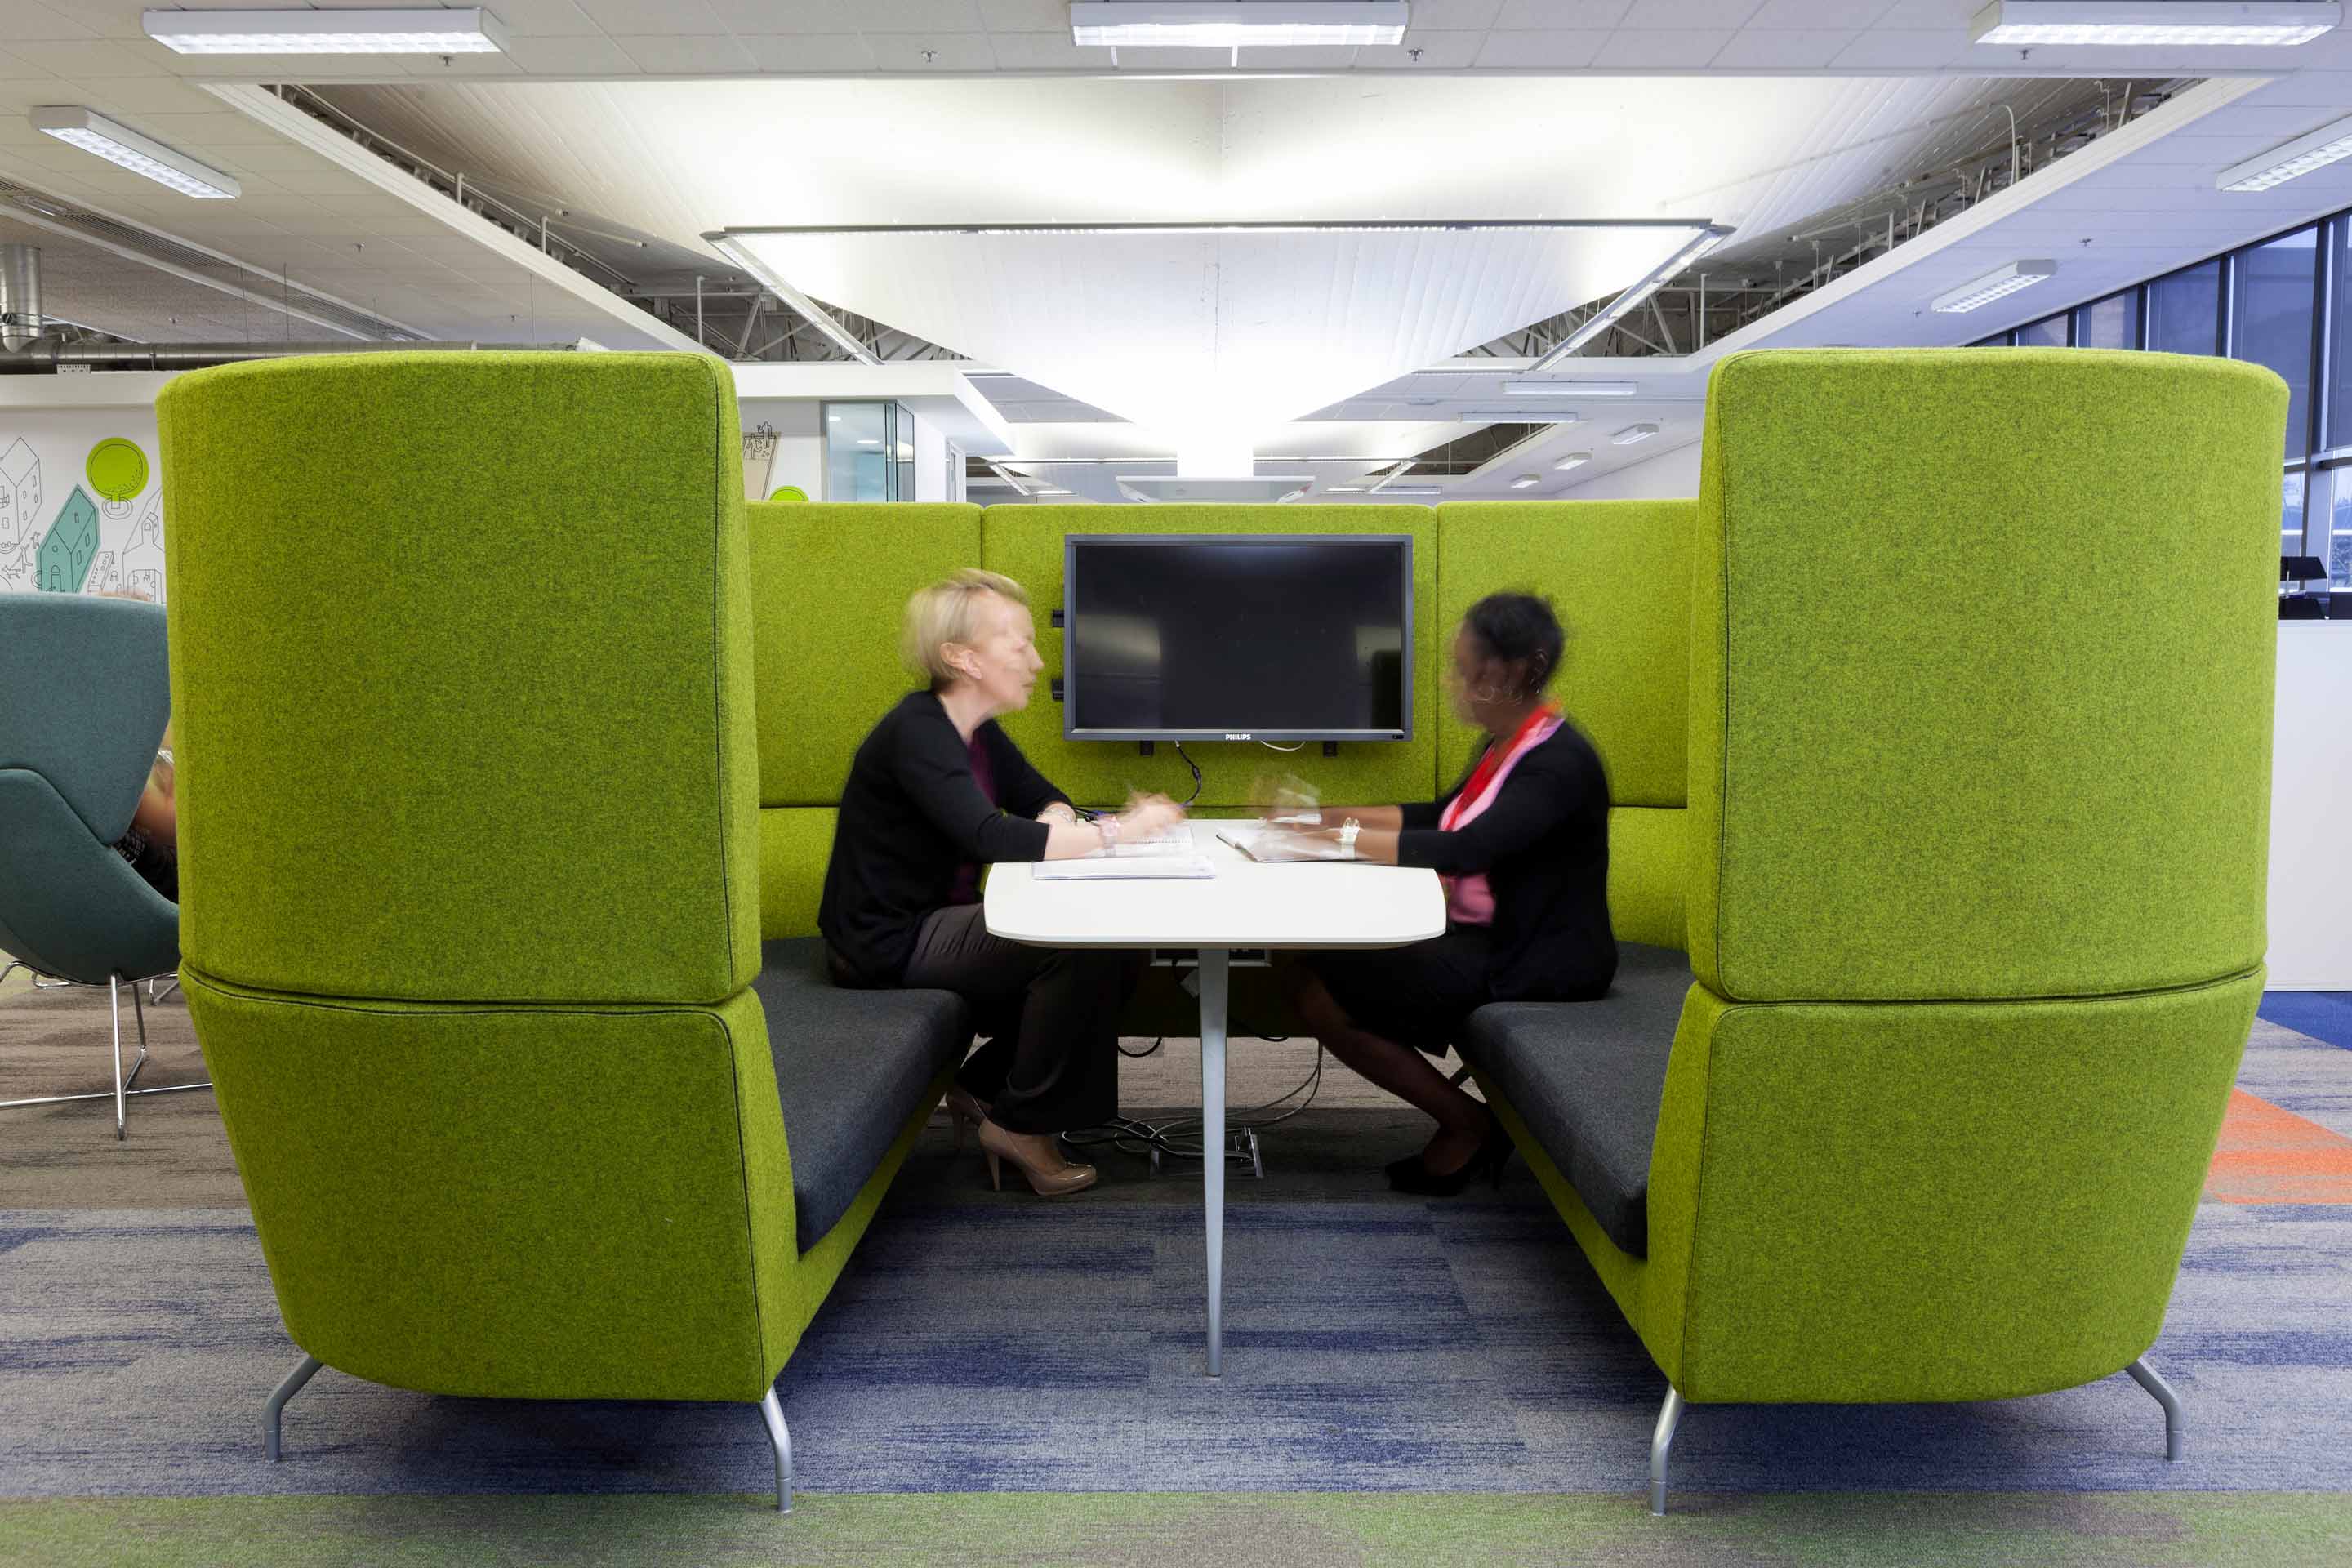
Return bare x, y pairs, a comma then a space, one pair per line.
1573, 460
94, 133
1527, 481
430, 30
1263, 24
1552, 387
2297, 158
2115, 22
1993, 286
1634, 433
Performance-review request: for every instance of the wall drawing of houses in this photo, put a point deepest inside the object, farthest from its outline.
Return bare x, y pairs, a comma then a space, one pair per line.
20, 492
142, 560
71, 546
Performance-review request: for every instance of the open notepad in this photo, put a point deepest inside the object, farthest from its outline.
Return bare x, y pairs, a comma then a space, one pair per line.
1169, 856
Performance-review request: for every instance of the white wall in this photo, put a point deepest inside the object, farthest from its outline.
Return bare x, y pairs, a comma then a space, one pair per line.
1669, 476
930, 461
60, 527
2311, 810
781, 446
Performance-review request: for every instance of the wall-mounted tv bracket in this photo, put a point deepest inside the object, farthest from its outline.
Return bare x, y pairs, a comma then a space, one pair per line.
1055, 688
1330, 748
1054, 620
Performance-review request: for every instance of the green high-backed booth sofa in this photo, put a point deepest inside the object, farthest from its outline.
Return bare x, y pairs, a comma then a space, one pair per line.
1901, 1093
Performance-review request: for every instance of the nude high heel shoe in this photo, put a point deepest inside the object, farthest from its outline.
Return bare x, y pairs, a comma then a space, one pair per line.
1038, 1156
965, 1110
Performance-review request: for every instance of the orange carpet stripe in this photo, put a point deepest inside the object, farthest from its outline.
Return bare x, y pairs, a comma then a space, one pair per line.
2268, 1155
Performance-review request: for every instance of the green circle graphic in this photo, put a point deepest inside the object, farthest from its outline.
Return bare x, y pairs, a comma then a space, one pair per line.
117, 468
789, 492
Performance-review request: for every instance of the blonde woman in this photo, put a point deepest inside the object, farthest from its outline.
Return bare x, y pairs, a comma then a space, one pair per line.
937, 791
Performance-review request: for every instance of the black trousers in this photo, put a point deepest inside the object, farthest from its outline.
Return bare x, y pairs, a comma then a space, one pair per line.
1051, 1014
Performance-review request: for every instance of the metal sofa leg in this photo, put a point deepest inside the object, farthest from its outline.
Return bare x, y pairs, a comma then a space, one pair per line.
2176, 1424
1662, 1443
779, 1437
286, 1391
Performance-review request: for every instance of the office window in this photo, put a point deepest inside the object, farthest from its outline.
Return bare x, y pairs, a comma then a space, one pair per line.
858, 442
2339, 349
2184, 311
2050, 333
2291, 515
1997, 340
2276, 291
2330, 512
2109, 323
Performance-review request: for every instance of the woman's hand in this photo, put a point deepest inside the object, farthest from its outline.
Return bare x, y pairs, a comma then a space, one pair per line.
1147, 817
1058, 811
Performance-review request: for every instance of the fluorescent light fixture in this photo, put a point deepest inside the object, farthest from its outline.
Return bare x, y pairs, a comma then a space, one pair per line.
1413, 491
1707, 238
1343, 489
94, 133
1260, 24
1996, 285
2138, 23
1522, 415
2298, 157
1573, 460
1549, 387
1050, 492
428, 30
1527, 481
1633, 434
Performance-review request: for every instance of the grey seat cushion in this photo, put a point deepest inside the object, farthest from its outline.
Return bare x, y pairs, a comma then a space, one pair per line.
851, 1068
1587, 1079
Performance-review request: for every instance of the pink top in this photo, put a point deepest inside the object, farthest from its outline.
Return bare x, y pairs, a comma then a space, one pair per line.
1468, 900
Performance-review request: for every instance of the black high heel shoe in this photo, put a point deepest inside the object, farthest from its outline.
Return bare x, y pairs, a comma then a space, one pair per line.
1494, 1151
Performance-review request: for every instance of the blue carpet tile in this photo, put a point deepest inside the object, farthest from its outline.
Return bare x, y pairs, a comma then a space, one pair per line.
1383, 1344
2322, 1014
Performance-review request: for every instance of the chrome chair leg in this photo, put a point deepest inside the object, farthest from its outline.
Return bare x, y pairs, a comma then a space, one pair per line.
139, 1018
286, 1391
1662, 1443
779, 1437
2176, 1424
114, 1009
167, 987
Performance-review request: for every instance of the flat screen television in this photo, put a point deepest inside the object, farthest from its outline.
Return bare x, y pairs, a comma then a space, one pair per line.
1202, 637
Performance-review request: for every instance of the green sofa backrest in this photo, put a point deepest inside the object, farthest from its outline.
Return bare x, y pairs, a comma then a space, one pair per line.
1618, 575
378, 638
1939, 750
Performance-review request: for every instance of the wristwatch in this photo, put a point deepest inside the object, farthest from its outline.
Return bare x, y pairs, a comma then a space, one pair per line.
1109, 825
1348, 831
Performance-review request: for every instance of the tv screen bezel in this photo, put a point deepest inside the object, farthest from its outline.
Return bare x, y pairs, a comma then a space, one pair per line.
1070, 543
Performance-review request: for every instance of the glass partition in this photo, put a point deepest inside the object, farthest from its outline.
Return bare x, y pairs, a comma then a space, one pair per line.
863, 447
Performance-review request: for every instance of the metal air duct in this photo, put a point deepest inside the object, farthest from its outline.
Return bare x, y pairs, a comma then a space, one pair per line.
20, 296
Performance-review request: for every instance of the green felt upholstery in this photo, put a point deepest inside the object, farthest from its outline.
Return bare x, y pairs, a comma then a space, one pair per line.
1618, 573
1649, 860
538, 680
1935, 753
832, 584
1941, 1101
470, 805
795, 841
1024, 543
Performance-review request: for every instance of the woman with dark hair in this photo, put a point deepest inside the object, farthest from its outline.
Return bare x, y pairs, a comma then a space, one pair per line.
1522, 847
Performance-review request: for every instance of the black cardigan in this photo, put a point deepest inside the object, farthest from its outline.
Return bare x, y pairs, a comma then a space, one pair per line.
1543, 844
912, 815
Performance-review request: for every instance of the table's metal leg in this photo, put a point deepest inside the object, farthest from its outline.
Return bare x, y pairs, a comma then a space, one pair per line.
1214, 962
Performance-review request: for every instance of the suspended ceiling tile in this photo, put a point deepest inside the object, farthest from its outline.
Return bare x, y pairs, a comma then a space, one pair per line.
1794, 49
1548, 49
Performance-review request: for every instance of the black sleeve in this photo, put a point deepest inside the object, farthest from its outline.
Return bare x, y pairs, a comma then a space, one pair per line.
1026, 791
1420, 814
934, 770
1537, 797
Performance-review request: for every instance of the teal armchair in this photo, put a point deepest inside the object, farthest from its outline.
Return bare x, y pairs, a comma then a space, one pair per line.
88, 699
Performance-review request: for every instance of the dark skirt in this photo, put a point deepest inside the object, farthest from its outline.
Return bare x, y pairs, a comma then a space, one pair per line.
1419, 995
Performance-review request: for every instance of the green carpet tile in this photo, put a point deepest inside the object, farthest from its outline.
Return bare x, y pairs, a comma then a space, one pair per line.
1312, 1530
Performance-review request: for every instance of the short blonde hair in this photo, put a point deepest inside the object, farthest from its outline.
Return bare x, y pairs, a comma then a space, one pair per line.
949, 611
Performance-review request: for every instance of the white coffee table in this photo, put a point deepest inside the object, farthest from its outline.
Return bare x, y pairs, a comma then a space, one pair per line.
1245, 905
